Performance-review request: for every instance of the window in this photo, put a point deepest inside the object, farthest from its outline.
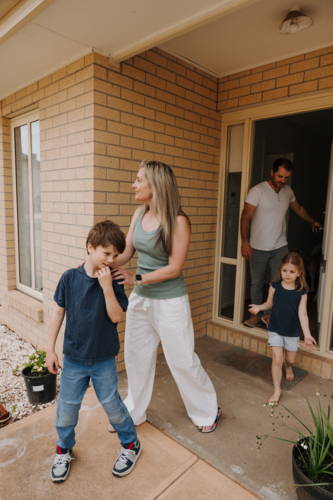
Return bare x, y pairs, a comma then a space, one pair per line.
27, 204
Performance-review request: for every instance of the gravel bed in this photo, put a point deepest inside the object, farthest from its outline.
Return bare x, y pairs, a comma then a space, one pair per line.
13, 393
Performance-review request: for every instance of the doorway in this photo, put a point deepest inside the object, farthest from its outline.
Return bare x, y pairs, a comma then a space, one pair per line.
305, 139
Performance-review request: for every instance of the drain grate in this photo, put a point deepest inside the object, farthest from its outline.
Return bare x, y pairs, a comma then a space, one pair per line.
257, 365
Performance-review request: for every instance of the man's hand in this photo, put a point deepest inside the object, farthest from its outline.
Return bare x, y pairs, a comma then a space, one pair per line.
52, 362
246, 250
308, 342
315, 226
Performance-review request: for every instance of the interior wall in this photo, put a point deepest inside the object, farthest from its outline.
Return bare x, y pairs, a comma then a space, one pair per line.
309, 177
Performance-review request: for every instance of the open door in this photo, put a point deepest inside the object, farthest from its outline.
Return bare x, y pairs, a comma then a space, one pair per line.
327, 224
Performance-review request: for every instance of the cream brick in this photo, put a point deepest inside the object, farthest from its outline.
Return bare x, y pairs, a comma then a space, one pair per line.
303, 88
304, 65
326, 369
275, 94
251, 99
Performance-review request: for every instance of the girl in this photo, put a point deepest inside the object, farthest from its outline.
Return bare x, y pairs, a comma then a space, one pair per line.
159, 307
287, 297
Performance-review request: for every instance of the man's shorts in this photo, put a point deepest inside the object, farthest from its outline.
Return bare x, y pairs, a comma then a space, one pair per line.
288, 343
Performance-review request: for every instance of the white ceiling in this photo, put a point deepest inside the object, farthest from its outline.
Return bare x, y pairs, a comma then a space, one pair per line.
223, 36
250, 38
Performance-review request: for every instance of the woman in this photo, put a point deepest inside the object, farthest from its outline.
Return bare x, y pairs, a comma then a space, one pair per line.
159, 306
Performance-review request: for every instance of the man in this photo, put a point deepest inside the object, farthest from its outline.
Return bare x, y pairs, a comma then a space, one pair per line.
266, 205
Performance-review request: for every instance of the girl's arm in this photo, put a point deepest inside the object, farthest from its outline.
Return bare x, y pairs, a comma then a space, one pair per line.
180, 245
304, 320
253, 309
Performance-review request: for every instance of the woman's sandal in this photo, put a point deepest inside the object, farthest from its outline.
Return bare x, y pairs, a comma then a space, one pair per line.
111, 429
213, 427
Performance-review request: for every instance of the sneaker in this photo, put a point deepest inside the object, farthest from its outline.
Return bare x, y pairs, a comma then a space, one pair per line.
266, 319
252, 321
61, 465
126, 460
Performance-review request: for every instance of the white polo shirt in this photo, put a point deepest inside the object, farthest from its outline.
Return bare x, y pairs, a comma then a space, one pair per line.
268, 224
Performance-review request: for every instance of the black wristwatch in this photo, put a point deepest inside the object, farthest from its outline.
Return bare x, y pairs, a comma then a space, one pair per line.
138, 279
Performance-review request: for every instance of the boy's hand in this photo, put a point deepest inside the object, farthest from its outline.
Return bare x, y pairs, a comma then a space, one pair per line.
104, 278
253, 309
52, 362
308, 342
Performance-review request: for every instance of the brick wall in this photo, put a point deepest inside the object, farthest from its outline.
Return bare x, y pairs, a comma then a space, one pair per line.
298, 75
7, 254
97, 124
64, 102
158, 107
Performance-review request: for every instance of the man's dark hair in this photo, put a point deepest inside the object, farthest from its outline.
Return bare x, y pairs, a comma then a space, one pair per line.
282, 162
106, 233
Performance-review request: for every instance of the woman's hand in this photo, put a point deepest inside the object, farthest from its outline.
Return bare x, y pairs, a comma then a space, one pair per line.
253, 309
308, 342
123, 277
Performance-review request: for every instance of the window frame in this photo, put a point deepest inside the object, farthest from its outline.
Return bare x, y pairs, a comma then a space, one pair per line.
26, 119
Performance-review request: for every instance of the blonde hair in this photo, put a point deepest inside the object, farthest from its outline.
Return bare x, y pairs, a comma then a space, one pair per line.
166, 200
296, 260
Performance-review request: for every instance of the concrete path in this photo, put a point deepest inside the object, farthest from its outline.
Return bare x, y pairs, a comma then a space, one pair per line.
232, 448
165, 470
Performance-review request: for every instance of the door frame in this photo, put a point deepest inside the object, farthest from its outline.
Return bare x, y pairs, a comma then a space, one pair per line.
307, 103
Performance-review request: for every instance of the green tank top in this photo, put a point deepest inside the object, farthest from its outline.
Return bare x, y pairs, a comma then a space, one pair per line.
151, 258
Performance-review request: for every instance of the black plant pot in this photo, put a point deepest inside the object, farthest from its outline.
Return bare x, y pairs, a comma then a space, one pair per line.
308, 492
40, 389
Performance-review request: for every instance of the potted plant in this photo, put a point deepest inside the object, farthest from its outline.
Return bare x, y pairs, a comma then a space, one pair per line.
312, 454
40, 383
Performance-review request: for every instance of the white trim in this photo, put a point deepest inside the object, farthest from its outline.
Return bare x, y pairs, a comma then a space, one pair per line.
25, 119
21, 15
189, 61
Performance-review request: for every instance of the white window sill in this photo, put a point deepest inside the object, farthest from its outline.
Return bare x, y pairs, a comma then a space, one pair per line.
26, 305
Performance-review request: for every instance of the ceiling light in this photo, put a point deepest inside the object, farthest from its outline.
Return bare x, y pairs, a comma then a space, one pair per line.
295, 21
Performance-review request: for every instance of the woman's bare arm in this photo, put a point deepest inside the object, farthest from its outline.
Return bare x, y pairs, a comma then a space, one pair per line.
180, 245
129, 251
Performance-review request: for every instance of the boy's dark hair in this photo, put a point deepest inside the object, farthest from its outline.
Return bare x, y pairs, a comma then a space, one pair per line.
106, 233
282, 162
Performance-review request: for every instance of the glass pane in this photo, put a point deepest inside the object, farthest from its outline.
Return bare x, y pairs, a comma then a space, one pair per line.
232, 189
227, 291
22, 194
35, 163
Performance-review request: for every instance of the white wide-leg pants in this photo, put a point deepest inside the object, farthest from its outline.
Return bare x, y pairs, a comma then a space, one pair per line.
169, 320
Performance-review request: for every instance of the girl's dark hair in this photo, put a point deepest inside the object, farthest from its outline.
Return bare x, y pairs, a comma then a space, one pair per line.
106, 233
295, 259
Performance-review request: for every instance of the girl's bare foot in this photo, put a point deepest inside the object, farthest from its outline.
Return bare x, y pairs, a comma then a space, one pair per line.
289, 373
274, 399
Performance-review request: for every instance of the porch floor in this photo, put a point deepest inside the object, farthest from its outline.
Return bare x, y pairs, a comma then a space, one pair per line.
166, 470
232, 447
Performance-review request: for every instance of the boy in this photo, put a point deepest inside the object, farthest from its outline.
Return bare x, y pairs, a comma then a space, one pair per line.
93, 303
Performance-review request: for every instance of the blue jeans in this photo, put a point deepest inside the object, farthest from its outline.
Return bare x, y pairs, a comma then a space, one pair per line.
258, 265
74, 382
